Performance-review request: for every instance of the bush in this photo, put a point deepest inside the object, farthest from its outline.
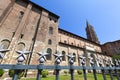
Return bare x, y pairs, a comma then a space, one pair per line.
44, 73
12, 72
1, 72
79, 72
65, 72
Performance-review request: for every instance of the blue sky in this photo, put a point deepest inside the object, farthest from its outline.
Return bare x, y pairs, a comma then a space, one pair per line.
103, 15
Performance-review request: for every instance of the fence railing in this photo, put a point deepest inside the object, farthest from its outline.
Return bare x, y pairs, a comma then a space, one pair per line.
110, 67
19, 67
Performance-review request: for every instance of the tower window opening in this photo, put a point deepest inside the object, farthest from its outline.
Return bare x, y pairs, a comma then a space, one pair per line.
50, 30
21, 14
49, 41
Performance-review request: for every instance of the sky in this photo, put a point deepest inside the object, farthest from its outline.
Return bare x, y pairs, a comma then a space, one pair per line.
103, 15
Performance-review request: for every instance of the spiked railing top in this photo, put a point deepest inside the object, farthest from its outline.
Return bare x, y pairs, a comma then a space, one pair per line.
110, 62
99, 61
22, 55
116, 62
58, 58
82, 58
106, 61
42, 57
2, 50
91, 60
119, 62
71, 58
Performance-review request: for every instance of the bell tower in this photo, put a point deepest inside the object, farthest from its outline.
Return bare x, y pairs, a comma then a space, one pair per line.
91, 35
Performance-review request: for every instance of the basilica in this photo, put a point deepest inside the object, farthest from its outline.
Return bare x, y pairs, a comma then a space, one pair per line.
24, 24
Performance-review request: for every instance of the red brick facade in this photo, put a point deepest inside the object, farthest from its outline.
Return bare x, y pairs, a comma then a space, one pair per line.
111, 48
24, 24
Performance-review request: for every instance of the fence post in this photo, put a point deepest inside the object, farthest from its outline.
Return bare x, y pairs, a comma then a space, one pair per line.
57, 72
94, 72
42, 59
82, 59
16, 75
72, 71
21, 57
110, 70
103, 73
58, 59
116, 65
39, 71
84, 72
93, 66
116, 74
71, 62
102, 69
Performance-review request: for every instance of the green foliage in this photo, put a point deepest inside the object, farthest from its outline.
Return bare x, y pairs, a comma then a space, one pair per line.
65, 72
79, 72
20, 75
1, 72
12, 72
69, 71
76, 77
44, 73
115, 57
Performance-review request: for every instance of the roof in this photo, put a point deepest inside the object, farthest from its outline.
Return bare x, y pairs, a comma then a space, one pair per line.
111, 42
78, 36
38, 6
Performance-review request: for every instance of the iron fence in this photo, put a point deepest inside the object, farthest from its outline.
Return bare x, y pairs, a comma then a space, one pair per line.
19, 67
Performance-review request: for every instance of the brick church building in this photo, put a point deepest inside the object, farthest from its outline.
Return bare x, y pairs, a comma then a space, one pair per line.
24, 24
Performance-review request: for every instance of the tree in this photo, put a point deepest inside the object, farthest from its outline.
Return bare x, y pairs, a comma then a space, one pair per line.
115, 57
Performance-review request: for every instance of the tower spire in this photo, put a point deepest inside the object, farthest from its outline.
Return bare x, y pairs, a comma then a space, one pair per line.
87, 23
91, 35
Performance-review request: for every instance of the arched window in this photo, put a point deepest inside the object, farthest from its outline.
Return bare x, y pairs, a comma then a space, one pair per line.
49, 41
48, 57
63, 53
5, 43
74, 57
20, 46
50, 30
